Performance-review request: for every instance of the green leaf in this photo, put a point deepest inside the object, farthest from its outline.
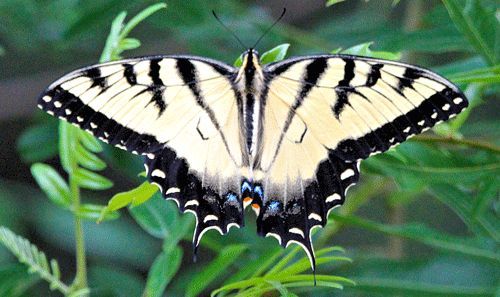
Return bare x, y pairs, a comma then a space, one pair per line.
459, 200
94, 212
284, 261
423, 234
239, 61
90, 142
160, 218
484, 78
68, 138
52, 184
214, 270
275, 54
257, 268
88, 159
479, 26
162, 271
485, 75
36, 260
108, 53
486, 196
135, 197
129, 44
282, 289
141, 16
461, 66
303, 264
364, 50
333, 2
117, 40
425, 165
425, 274
91, 180
302, 280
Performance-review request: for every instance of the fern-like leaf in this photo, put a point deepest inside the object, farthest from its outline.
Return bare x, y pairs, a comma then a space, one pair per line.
36, 260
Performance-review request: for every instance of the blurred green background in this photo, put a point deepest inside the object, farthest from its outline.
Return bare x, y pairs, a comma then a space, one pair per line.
423, 220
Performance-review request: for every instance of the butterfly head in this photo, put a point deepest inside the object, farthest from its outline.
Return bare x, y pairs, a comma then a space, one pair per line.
251, 57
250, 72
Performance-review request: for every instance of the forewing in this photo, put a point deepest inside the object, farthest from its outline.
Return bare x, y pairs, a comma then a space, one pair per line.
180, 112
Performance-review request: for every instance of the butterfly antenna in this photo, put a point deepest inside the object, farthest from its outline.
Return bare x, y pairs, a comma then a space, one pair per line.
229, 30
270, 27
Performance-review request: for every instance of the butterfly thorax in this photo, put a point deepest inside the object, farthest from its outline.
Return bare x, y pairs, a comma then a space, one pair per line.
250, 83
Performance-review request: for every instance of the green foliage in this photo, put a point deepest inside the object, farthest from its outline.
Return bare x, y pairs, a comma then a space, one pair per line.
428, 236
134, 197
364, 50
162, 271
215, 269
333, 2
15, 280
118, 40
283, 270
447, 183
36, 261
275, 54
54, 186
479, 25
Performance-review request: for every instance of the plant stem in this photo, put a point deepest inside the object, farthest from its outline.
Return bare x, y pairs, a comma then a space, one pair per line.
80, 281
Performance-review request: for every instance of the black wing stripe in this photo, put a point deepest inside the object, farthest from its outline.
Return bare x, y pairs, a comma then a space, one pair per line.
374, 75
345, 147
312, 74
154, 72
89, 119
95, 75
188, 74
129, 74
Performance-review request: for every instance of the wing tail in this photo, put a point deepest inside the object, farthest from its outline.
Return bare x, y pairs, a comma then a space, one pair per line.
212, 208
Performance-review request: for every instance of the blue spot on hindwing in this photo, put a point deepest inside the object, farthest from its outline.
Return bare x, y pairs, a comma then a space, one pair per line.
246, 187
231, 197
274, 206
258, 190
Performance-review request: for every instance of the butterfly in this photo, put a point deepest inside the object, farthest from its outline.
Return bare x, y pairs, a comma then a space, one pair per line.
284, 138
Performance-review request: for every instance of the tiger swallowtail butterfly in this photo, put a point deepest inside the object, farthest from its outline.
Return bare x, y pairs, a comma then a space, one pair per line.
284, 138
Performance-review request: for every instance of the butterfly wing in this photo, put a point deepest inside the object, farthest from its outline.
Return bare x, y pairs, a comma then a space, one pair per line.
323, 114
180, 112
